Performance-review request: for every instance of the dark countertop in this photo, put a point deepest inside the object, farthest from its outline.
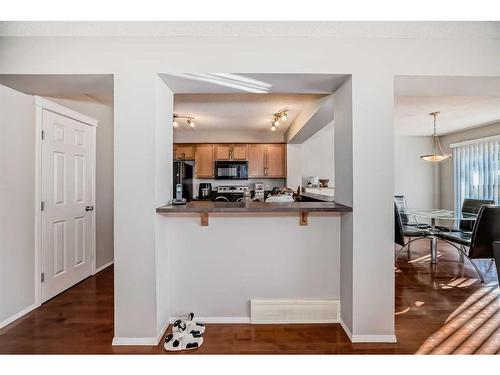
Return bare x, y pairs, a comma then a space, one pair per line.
320, 197
204, 206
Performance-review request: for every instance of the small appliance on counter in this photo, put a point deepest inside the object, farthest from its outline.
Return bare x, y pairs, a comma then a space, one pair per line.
178, 196
205, 191
259, 193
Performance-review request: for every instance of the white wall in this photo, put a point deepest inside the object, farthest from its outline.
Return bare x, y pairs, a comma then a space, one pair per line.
314, 157
412, 51
446, 167
17, 203
414, 177
103, 112
237, 136
216, 270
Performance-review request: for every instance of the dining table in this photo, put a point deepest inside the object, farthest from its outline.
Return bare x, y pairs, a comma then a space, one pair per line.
432, 215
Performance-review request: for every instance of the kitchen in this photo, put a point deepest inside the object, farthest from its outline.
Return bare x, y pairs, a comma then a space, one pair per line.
233, 171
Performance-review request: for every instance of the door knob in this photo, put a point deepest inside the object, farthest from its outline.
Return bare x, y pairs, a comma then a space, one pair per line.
89, 208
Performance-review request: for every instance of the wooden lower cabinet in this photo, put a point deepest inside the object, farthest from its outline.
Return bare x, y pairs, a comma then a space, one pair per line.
204, 161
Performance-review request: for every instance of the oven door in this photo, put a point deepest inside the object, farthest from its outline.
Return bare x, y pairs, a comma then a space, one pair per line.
231, 170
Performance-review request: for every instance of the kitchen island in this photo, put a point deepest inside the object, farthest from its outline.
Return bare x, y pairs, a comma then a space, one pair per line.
206, 207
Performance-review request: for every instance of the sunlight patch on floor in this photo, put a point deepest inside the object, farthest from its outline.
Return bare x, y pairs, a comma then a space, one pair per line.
474, 327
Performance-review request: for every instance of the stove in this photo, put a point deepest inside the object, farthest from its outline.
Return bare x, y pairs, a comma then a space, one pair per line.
229, 193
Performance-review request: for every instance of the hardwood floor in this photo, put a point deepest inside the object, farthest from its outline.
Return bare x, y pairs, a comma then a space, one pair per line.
439, 309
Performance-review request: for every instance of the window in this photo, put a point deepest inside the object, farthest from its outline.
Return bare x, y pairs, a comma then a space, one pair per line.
476, 170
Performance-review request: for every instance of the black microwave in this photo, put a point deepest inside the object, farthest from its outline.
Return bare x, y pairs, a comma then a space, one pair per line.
231, 170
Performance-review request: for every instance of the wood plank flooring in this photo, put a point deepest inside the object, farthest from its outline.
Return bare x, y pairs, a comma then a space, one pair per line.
439, 309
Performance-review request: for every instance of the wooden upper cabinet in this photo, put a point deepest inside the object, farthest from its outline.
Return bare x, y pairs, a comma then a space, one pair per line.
239, 152
222, 152
275, 160
204, 161
231, 152
256, 160
267, 160
183, 151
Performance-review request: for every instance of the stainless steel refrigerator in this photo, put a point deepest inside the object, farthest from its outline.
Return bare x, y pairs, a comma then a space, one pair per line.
183, 174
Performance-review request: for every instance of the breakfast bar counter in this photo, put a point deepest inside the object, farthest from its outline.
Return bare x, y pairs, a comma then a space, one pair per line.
206, 207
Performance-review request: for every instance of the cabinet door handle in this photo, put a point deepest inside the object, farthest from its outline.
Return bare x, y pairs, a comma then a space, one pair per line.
89, 208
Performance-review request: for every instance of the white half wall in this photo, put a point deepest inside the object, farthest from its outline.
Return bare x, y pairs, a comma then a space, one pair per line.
17, 203
414, 177
215, 271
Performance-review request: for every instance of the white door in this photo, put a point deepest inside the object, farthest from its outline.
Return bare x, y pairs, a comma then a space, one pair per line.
67, 249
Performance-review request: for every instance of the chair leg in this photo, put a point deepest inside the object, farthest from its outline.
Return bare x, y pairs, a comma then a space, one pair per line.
461, 257
462, 254
402, 247
496, 255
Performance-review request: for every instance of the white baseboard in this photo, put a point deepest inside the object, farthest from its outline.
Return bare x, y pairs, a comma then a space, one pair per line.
374, 338
18, 315
290, 311
103, 267
146, 341
366, 338
218, 320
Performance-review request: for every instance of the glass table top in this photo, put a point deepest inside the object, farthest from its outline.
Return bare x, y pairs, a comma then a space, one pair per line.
439, 214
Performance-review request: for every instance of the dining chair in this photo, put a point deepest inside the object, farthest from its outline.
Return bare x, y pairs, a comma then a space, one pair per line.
401, 231
485, 231
402, 205
469, 206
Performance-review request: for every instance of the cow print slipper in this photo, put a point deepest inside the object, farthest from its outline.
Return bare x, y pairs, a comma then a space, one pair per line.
191, 326
182, 340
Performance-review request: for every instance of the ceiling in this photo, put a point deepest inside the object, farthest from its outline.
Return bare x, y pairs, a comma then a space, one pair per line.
57, 85
257, 83
184, 26
238, 112
463, 102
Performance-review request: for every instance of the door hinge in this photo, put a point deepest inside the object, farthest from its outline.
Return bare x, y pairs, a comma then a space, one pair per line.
43, 134
42, 277
42, 206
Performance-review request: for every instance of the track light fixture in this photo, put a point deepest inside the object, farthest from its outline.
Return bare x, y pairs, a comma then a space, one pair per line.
278, 118
189, 120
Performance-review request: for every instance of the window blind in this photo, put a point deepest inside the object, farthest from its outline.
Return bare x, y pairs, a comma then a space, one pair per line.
476, 170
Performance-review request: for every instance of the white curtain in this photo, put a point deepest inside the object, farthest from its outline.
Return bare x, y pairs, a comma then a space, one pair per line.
476, 170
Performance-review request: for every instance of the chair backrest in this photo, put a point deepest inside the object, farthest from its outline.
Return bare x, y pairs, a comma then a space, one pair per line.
486, 231
399, 237
401, 204
472, 206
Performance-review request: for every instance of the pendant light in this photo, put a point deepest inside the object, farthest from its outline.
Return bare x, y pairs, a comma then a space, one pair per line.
436, 152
